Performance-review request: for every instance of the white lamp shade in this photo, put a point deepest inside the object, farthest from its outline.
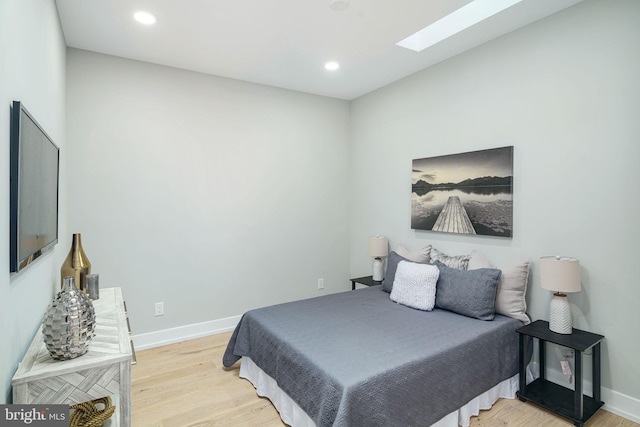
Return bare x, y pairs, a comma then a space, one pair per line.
560, 274
378, 246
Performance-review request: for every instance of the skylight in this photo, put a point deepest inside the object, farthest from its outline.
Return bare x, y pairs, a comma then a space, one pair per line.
457, 21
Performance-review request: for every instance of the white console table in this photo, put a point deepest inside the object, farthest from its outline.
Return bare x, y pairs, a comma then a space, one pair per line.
105, 370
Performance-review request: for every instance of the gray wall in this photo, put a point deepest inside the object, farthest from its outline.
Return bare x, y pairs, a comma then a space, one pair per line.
32, 70
211, 195
565, 93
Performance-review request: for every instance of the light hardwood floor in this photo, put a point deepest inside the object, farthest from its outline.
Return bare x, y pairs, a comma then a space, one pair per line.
184, 384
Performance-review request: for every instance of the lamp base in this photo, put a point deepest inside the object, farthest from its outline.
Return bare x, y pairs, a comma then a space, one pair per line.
560, 314
377, 269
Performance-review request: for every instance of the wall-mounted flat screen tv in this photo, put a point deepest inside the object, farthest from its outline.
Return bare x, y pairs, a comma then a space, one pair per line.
34, 171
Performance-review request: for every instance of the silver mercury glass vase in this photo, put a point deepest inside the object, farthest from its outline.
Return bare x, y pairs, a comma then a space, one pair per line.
69, 322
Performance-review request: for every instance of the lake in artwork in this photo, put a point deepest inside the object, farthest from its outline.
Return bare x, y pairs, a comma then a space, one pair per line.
467, 193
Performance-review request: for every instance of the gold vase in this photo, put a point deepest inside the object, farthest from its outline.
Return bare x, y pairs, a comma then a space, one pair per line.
77, 265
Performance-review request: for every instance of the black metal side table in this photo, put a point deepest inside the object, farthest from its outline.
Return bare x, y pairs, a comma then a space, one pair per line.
367, 281
571, 404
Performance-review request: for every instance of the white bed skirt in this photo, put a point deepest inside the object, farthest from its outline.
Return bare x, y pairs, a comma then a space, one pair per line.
293, 415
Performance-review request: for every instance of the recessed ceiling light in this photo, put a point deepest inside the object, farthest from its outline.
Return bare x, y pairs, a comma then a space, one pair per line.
145, 17
331, 65
455, 22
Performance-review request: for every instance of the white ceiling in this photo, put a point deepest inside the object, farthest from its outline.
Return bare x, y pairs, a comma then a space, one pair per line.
285, 43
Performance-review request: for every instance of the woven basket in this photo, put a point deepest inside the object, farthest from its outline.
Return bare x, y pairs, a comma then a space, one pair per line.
87, 414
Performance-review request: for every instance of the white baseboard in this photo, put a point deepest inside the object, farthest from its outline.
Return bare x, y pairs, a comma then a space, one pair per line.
620, 404
184, 333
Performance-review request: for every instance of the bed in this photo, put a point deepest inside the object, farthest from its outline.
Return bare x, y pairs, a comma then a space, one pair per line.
358, 358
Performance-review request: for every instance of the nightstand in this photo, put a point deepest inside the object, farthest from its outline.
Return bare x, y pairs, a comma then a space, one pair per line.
367, 281
571, 404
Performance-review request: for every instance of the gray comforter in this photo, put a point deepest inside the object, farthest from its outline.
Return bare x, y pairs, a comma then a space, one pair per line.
358, 359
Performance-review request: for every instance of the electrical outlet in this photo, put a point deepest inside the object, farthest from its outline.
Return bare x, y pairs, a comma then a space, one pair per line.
320, 283
159, 309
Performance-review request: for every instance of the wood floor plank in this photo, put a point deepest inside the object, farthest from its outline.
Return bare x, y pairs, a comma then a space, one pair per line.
185, 385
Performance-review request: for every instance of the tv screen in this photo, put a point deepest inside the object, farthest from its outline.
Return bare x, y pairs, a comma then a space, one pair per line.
33, 213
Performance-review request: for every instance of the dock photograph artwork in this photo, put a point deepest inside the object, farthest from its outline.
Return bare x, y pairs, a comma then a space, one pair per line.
466, 193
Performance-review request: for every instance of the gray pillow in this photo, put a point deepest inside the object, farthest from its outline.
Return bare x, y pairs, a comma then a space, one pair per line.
471, 293
390, 274
512, 286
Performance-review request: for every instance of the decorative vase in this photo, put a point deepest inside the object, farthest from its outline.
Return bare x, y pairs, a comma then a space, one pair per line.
560, 314
69, 323
77, 265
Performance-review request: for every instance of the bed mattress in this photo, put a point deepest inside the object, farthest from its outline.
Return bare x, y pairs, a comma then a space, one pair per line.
358, 359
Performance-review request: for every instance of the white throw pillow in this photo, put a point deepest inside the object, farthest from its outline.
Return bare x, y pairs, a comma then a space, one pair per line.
415, 285
421, 255
512, 286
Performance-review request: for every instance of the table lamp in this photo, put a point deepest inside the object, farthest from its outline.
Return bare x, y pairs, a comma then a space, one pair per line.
561, 275
378, 247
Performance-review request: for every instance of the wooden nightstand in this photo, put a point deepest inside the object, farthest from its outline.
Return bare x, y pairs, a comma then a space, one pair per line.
367, 281
571, 404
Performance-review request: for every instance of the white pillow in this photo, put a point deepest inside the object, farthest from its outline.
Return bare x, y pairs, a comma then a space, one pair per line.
512, 286
415, 285
421, 255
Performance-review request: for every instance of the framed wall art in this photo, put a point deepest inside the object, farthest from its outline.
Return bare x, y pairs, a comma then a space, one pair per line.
466, 193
